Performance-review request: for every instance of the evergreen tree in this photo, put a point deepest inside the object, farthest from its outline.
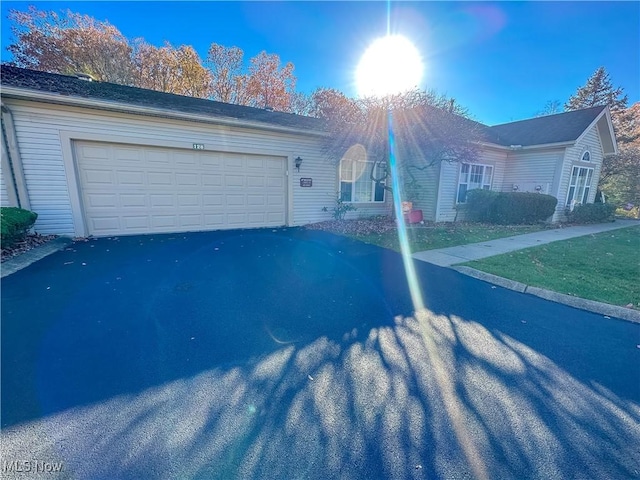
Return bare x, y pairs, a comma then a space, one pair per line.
598, 91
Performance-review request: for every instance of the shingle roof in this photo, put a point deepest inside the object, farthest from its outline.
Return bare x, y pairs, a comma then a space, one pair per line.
545, 130
72, 86
563, 127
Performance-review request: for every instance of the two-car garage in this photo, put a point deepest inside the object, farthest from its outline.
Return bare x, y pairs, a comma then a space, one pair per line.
131, 189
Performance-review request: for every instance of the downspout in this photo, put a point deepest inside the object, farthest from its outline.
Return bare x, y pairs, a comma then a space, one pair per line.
13, 159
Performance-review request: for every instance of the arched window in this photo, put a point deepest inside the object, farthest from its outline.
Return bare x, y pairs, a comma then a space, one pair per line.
586, 156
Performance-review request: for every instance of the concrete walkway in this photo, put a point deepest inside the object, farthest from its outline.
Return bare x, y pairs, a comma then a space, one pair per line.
445, 257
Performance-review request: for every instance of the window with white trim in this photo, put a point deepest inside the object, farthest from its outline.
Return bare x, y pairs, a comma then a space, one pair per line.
579, 186
586, 156
473, 176
356, 185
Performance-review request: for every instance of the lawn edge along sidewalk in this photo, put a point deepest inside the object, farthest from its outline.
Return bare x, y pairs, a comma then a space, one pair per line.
605, 309
27, 258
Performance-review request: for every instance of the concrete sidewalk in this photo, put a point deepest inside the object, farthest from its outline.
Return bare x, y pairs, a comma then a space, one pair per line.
445, 257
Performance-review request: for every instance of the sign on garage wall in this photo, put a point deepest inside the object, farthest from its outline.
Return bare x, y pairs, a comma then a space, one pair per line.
306, 182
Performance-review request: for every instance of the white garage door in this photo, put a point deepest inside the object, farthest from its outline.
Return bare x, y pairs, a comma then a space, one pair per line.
128, 189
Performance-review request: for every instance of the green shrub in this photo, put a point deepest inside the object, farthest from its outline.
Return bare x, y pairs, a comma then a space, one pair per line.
509, 208
340, 209
14, 224
479, 204
592, 213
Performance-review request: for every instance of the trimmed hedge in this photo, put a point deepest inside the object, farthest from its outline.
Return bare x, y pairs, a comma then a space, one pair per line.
592, 213
14, 224
509, 208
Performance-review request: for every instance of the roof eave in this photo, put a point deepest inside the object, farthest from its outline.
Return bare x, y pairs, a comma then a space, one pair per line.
516, 148
59, 99
607, 113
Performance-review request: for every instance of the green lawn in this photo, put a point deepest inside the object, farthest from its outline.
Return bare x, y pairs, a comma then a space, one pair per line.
446, 235
604, 267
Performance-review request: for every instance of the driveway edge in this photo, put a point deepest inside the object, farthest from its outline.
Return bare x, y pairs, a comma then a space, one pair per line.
27, 258
605, 309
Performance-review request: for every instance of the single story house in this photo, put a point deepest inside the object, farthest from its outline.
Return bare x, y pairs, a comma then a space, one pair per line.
94, 158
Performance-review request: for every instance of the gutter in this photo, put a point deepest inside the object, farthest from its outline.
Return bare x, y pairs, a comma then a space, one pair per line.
516, 148
12, 161
59, 99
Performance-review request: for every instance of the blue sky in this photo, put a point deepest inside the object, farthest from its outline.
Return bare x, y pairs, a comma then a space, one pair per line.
502, 60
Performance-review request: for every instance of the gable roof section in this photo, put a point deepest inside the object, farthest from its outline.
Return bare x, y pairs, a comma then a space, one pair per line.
559, 128
70, 86
550, 129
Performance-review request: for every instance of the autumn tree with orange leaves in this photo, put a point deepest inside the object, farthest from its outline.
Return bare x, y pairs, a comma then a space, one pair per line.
170, 69
70, 43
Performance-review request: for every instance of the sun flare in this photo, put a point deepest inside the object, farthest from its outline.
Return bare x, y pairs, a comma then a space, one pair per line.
390, 65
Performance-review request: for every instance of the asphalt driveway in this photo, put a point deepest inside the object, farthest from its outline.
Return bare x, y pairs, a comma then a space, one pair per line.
297, 354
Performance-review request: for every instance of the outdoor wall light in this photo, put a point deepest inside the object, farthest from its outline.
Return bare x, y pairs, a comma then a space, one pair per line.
516, 188
298, 161
538, 188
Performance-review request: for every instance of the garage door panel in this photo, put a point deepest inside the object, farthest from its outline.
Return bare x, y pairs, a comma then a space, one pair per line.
137, 223
129, 189
187, 179
254, 181
255, 163
211, 180
275, 182
107, 224
182, 158
128, 155
95, 152
192, 220
133, 200
233, 162
98, 177
211, 160
234, 180
130, 178
161, 200
103, 200
188, 200
275, 200
214, 219
164, 221
212, 200
157, 157
235, 200
160, 178
256, 200
275, 218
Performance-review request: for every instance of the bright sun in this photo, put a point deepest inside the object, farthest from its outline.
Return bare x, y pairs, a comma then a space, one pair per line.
391, 64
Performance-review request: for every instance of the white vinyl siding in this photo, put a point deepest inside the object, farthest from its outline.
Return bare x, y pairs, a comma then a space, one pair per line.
44, 130
579, 186
529, 170
473, 176
572, 158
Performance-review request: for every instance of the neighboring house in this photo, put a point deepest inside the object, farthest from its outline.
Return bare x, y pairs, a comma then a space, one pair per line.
101, 159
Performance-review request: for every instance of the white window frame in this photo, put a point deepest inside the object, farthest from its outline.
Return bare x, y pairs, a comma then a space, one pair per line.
363, 177
464, 178
579, 186
586, 153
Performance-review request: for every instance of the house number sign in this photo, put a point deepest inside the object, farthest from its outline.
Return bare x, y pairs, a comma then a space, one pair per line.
198, 146
306, 182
